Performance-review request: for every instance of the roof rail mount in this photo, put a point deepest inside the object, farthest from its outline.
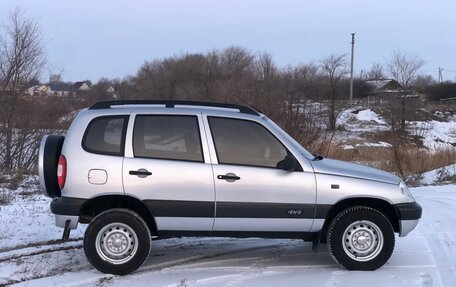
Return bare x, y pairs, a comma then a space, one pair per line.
172, 103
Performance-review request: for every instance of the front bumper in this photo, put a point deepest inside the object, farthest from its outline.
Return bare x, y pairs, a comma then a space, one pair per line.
67, 209
408, 215
60, 221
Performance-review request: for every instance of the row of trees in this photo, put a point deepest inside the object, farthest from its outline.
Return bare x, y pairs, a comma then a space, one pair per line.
233, 75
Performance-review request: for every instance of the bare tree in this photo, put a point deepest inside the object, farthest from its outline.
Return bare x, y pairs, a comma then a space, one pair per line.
404, 68
335, 68
375, 72
266, 67
22, 58
236, 61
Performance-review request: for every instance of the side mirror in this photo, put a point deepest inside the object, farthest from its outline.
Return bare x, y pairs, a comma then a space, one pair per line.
289, 163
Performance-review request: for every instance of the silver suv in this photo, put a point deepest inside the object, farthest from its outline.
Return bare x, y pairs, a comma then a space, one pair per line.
142, 170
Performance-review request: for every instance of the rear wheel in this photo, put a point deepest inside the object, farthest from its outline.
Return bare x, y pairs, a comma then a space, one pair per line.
117, 241
360, 238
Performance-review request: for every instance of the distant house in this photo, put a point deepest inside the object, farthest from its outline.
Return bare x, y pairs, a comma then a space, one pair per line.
38, 90
385, 88
82, 86
61, 89
110, 90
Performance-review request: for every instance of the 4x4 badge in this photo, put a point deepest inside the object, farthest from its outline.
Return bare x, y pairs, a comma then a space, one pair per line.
294, 211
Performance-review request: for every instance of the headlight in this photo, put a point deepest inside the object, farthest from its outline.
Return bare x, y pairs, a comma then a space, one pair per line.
405, 191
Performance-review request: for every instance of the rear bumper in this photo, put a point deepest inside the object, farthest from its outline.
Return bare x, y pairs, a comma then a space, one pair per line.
67, 208
408, 215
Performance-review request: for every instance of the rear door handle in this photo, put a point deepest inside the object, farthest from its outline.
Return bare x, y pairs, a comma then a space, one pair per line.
230, 177
142, 172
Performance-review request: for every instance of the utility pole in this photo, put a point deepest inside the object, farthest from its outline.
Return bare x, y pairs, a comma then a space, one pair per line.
441, 76
351, 67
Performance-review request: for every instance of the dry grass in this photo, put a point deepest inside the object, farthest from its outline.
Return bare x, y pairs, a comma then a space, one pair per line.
412, 161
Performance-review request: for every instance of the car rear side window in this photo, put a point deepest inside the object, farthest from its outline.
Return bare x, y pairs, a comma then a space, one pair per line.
106, 135
167, 137
244, 142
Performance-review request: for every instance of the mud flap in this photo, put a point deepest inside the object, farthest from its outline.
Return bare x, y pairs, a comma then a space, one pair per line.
66, 231
316, 241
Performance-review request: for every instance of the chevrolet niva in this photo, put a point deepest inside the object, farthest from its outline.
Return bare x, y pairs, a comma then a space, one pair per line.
142, 170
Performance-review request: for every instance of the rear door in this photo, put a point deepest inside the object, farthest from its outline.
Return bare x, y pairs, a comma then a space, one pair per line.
252, 193
165, 166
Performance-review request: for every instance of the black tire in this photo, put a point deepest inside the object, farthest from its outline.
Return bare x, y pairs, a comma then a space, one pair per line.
105, 227
360, 238
50, 150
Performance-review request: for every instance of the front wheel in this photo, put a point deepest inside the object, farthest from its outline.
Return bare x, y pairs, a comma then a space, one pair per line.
117, 241
361, 238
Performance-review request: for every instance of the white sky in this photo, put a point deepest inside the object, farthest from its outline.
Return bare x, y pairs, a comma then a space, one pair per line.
92, 39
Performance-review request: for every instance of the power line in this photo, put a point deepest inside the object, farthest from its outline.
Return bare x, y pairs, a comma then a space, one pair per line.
440, 73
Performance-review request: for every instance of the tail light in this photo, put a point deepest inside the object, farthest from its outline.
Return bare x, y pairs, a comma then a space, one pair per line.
61, 171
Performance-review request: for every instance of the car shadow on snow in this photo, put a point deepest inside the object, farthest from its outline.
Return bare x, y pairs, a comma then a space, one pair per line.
219, 253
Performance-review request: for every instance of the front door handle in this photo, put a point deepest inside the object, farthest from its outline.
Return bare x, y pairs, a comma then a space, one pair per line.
142, 172
230, 177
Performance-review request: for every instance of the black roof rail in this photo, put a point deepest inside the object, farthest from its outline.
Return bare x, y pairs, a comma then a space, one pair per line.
171, 103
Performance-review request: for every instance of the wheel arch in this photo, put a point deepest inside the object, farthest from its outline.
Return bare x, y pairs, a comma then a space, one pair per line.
380, 205
96, 205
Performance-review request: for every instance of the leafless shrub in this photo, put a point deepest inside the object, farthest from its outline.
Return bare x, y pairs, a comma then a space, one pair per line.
6, 196
335, 68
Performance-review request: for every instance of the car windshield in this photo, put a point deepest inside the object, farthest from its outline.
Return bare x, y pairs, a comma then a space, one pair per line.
299, 147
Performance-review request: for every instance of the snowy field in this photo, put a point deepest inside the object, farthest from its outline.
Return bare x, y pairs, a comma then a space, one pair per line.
32, 255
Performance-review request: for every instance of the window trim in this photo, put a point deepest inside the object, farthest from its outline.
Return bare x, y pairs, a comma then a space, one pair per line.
122, 139
164, 158
298, 168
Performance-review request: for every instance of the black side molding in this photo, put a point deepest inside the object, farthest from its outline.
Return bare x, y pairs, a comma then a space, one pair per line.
408, 211
306, 236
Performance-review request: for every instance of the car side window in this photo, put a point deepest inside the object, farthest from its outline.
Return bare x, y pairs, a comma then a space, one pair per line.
245, 142
106, 135
167, 137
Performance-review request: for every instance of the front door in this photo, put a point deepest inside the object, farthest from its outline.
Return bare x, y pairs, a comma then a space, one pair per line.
252, 194
168, 171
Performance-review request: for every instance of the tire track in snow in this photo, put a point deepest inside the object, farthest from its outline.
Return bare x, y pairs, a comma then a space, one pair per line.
25, 252
38, 244
145, 269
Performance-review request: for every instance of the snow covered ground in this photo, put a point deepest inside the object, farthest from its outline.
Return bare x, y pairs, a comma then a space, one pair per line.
436, 135
362, 124
439, 175
32, 255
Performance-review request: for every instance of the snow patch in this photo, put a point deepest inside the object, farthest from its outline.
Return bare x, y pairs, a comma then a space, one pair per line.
438, 175
369, 115
435, 135
27, 218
